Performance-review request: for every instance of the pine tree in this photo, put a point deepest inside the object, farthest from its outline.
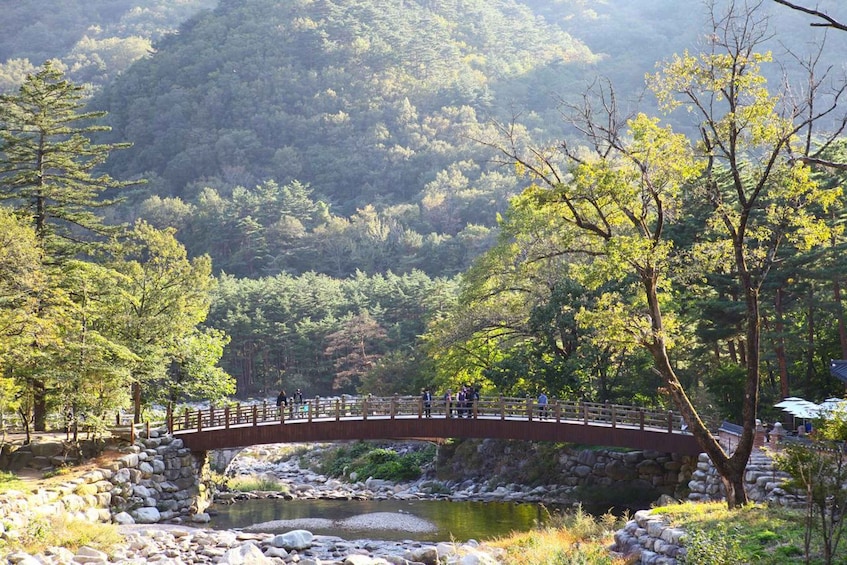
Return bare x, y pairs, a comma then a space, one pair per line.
48, 162
48, 174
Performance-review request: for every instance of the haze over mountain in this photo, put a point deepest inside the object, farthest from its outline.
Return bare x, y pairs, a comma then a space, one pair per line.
372, 109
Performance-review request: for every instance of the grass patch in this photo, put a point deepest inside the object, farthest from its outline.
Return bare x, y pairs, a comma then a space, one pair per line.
10, 481
253, 484
63, 531
62, 471
752, 534
574, 537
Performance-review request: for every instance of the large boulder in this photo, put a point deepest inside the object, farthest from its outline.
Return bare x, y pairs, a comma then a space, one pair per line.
293, 540
146, 515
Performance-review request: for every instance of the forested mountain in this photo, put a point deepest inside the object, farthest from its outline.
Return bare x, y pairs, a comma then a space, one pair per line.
365, 101
326, 155
95, 40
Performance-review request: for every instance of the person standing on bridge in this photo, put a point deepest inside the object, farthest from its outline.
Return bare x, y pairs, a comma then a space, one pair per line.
448, 403
281, 399
542, 405
426, 397
298, 401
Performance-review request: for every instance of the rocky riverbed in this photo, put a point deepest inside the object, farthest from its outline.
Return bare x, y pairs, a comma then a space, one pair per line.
182, 545
179, 544
281, 464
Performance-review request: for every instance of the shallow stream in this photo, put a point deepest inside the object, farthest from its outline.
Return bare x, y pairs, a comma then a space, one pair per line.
391, 519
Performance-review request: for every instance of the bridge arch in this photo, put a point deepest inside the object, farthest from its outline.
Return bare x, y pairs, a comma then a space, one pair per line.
402, 418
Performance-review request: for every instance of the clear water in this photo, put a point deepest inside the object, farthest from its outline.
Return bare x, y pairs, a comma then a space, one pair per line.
459, 521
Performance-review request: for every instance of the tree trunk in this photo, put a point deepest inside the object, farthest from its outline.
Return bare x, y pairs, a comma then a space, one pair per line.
782, 364
39, 406
136, 402
733, 354
810, 342
839, 313
730, 468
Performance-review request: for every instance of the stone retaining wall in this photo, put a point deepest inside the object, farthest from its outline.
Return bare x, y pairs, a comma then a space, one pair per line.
763, 482
155, 479
649, 540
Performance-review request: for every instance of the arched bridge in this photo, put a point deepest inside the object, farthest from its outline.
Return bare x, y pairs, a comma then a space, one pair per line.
360, 418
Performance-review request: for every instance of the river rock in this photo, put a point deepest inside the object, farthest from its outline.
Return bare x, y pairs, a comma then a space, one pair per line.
247, 554
90, 555
294, 540
427, 555
146, 515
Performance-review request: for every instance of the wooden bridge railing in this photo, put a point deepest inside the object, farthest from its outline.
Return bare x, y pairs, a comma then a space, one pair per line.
364, 407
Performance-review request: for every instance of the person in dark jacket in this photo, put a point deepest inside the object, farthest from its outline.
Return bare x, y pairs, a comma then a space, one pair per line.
426, 397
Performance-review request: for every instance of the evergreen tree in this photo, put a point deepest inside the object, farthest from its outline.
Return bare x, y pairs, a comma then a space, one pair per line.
48, 161
47, 172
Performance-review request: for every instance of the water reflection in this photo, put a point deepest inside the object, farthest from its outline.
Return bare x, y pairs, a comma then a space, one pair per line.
453, 520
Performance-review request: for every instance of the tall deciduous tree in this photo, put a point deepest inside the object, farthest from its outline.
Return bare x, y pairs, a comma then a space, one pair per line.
615, 202
21, 280
164, 296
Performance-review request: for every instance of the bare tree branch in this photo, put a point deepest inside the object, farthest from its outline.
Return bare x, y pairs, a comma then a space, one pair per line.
829, 21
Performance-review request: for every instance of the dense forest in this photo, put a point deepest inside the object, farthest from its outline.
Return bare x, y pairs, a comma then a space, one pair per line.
336, 180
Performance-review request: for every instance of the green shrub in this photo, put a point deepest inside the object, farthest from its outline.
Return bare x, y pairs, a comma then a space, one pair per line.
715, 547
379, 463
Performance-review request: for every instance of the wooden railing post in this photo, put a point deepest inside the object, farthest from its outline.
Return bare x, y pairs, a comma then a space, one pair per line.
255, 415
264, 410
614, 416
502, 408
315, 406
170, 418
558, 409
585, 413
529, 408
393, 406
670, 421
211, 416
132, 432
147, 428
226, 417
641, 419
364, 408
200, 420
337, 410
187, 415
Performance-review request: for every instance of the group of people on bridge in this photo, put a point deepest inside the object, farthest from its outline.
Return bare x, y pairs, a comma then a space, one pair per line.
459, 405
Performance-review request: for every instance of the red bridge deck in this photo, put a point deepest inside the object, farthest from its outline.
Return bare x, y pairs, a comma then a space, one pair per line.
361, 418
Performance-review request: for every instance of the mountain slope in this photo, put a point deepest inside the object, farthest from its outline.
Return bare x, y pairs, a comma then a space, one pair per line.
365, 100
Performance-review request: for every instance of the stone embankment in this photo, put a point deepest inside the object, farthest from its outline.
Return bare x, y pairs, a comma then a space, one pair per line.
158, 480
763, 482
650, 540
